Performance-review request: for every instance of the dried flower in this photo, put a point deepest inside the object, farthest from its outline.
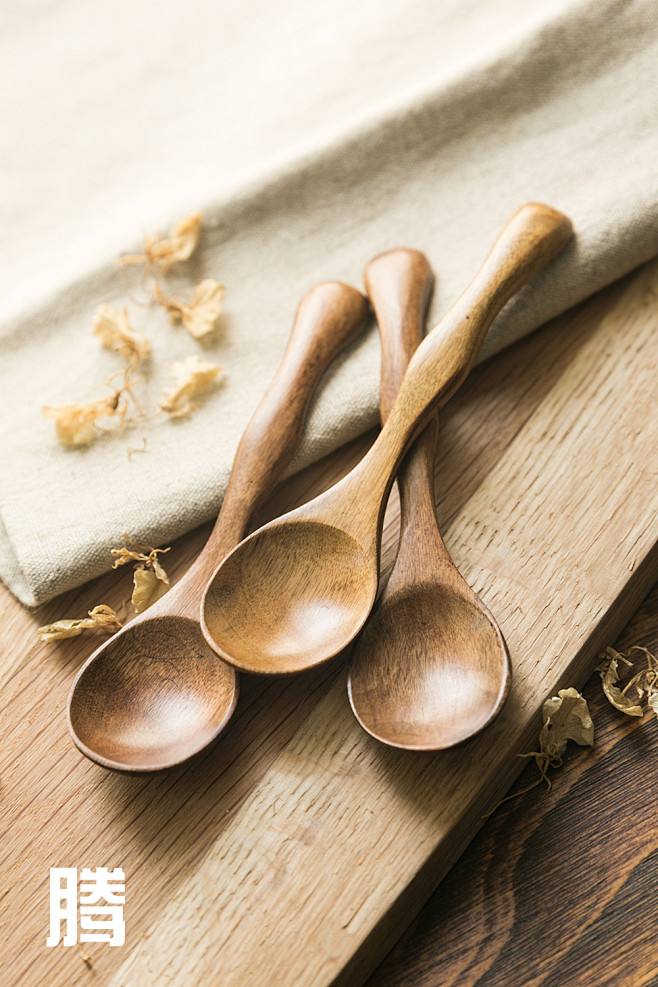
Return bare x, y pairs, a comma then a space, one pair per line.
150, 581
192, 376
644, 682
78, 424
75, 424
200, 313
165, 251
100, 617
115, 333
565, 717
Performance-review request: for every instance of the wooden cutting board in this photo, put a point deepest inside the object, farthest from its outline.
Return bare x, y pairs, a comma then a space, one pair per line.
296, 850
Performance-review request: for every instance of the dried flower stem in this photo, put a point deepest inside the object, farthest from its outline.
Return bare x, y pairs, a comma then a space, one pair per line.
101, 617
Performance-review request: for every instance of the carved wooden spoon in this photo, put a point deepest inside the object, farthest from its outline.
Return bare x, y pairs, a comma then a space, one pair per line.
155, 693
431, 666
297, 591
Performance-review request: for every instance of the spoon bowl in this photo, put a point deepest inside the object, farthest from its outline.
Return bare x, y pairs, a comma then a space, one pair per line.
153, 698
405, 700
279, 618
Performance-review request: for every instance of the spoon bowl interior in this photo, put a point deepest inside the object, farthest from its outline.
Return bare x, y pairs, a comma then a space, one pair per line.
430, 669
151, 697
289, 597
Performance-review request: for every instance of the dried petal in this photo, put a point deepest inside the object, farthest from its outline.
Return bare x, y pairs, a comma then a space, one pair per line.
149, 586
164, 252
200, 313
652, 702
159, 571
75, 423
566, 717
192, 376
115, 333
150, 579
101, 616
609, 672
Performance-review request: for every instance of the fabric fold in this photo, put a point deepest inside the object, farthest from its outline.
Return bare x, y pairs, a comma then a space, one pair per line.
556, 106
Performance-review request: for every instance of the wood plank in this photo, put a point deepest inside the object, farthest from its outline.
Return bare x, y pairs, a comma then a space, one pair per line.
292, 852
571, 902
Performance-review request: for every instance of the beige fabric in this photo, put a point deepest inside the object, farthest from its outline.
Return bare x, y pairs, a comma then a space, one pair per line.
311, 136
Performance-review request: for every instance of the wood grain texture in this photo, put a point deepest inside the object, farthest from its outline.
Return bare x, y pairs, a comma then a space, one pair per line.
296, 592
431, 667
559, 887
295, 850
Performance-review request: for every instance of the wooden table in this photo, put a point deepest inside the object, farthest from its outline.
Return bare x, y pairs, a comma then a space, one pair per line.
573, 899
556, 888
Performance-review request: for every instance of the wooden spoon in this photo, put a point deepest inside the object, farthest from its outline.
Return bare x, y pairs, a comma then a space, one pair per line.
297, 591
155, 693
431, 666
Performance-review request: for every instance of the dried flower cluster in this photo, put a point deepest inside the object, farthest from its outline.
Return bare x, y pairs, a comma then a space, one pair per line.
644, 683
79, 424
566, 716
150, 582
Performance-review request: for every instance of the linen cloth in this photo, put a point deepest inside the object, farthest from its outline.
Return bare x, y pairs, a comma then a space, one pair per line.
311, 137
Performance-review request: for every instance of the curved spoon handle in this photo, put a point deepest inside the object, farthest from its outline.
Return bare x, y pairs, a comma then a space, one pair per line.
399, 284
531, 239
330, 316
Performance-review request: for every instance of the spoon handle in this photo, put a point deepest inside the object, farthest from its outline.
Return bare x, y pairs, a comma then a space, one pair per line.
330, 316
531, 239
399, 285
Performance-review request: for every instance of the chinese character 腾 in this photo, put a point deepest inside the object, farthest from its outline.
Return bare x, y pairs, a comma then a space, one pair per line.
100, 922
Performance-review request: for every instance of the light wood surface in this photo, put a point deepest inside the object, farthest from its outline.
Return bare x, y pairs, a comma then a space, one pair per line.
296, 850
296, 592
431, 667
156, 694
